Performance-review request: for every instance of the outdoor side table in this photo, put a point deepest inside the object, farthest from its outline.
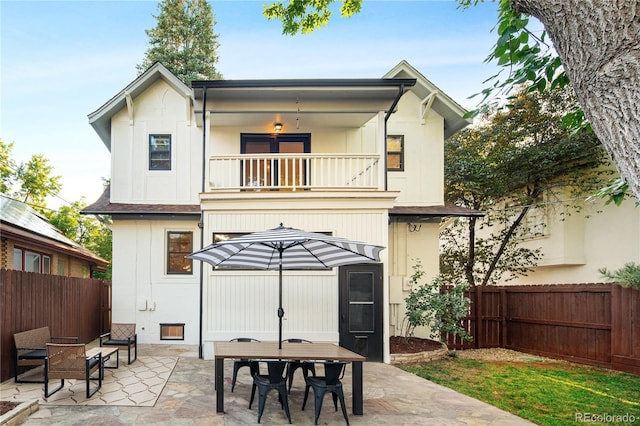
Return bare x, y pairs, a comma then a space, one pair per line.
106, 355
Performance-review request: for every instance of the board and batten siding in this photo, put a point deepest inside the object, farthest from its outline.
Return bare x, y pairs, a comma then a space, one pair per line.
245, 303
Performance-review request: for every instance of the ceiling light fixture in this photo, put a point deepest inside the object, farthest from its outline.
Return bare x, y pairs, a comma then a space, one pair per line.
277, 127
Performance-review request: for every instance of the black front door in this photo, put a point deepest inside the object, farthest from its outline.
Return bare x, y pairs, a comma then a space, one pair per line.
361, 308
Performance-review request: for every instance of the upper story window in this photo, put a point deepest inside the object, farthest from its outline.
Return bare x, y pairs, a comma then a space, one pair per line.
179, 244
159, 152
534, 223
395, 153
30, 261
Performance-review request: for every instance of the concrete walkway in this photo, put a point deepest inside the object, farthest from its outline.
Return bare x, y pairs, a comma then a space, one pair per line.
391, 397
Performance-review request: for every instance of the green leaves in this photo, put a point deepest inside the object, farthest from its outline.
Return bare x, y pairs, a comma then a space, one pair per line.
615, 192
7, 167
435, 305
306, 16
516, 156
526, 58
32, 182
627, 276
92, 232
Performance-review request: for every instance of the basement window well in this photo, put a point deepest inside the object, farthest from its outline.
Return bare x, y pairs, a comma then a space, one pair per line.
172, 331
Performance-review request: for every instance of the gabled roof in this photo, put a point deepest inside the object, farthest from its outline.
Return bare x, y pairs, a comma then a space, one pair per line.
21, 222
335, 102
433, 97
100, 119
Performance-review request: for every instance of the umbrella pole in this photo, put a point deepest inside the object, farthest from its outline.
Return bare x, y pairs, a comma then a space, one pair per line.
280, 310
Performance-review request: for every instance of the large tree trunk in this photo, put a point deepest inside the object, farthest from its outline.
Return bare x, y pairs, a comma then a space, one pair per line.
598, 42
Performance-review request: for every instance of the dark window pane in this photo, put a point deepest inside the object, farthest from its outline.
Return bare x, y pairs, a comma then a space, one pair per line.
361, 287
361, 309
159, 152
361, 318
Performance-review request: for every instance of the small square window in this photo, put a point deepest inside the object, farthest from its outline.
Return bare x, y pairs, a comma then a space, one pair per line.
179, 245
172, 331
395, 152
159, 152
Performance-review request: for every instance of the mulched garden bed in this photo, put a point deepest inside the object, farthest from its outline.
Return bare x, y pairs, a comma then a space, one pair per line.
402, 345
6, 406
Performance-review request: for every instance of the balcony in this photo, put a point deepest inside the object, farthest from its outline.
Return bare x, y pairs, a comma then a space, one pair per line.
296, 172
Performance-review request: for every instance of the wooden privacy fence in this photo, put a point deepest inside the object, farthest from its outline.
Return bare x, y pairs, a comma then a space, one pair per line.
597, 324
69, 306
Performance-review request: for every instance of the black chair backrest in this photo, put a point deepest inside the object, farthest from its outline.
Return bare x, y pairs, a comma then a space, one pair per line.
244, 339
333, 372
276, 371
298, 341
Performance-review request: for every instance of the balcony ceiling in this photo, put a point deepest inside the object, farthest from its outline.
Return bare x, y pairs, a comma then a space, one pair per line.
298, 103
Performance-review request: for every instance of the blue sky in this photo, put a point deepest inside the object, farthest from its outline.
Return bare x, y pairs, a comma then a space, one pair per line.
61, 61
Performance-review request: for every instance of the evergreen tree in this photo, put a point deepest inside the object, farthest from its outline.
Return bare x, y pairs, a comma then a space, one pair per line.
183, 40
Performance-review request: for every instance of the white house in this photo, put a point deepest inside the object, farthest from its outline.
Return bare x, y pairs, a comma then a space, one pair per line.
576, 242
356, 158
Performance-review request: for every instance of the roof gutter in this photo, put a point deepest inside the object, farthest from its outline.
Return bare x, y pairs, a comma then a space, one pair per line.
386, 118
201, 223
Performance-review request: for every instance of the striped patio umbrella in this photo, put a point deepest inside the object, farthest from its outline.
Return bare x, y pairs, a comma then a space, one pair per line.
286, 248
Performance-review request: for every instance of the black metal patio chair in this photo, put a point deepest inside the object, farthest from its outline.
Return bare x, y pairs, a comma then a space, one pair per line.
239, 363
330, 382
274, 379
305, 366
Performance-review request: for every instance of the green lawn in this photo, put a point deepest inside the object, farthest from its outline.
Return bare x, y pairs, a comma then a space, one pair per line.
546, 393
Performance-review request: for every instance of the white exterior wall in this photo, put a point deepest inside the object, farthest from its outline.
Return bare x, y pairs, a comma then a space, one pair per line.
578, 245
420, 184
142, 292
226, 140
422, 181
408, 243
244, 303
158, 110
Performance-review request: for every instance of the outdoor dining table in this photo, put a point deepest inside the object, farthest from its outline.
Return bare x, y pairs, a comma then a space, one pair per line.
289, 351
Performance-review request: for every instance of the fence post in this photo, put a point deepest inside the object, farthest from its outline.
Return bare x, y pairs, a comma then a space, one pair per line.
478, 320
503, 318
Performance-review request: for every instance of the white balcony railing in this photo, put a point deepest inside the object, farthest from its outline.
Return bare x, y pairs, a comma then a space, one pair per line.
293, 172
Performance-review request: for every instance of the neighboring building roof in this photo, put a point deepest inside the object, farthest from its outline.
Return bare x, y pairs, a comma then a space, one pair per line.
22, 222
432, 97
100, 119
104, 206
428, 212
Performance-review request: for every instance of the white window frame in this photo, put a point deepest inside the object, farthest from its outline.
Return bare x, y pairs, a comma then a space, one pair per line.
43, 260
